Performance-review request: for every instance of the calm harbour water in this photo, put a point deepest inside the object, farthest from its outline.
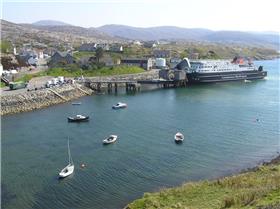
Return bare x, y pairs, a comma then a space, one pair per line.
222, 136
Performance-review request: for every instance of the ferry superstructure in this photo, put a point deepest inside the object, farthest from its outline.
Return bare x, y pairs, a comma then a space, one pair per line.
207, 71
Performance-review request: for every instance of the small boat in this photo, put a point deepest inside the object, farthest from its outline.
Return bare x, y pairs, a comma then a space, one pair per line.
179, 137
78, 118
69, 169
247, 81
119, 105
76, 103
110, 139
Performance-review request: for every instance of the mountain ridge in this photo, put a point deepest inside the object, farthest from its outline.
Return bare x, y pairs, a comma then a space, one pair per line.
57, 35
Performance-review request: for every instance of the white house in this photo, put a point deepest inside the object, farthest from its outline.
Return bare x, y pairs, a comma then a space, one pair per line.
41, 55
1, 69
15, 51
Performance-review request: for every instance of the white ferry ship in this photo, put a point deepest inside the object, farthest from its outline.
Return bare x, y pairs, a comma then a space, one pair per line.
206, 71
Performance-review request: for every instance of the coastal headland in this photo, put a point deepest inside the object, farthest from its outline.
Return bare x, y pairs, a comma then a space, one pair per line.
257, 187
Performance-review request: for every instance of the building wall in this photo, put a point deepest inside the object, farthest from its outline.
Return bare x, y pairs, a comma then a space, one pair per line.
57, 58
145, 63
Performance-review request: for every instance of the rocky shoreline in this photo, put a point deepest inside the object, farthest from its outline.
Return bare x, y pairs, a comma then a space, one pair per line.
32, 100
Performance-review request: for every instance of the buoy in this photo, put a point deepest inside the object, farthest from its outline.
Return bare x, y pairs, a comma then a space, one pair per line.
83, 165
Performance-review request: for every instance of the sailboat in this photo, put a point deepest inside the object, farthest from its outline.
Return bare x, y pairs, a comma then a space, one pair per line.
69, 169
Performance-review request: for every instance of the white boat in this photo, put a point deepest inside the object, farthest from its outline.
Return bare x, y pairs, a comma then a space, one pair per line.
179, 137
119, 105
247, 81
69, 169
110, 139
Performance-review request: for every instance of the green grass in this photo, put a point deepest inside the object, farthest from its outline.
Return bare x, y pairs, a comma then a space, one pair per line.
104, 71
260, 189
76, 72
79, 55
28, 77
2, 84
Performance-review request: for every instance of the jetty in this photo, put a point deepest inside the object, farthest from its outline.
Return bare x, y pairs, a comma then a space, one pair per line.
167, 79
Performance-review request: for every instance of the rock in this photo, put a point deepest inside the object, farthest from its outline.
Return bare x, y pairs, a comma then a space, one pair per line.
41, 98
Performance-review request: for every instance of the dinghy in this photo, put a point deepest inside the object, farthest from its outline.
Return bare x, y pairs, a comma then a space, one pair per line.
119, 105
179, 137
110, 139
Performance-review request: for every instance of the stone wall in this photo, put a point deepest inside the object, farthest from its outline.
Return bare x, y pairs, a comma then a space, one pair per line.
41, 98
149, 75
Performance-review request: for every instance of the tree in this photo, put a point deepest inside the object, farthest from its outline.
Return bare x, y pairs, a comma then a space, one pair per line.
5, 46
99, 54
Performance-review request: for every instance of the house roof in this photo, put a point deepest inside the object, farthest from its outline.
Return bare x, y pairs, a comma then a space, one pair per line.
136, 59
63, 54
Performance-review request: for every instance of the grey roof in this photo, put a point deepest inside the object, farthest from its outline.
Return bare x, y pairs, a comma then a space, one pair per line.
63, 54
136, 59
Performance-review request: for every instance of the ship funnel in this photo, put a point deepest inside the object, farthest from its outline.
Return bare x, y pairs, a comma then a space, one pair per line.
184, 64
188, 61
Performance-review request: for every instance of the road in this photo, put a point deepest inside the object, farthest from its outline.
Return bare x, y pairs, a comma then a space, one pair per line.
33, 83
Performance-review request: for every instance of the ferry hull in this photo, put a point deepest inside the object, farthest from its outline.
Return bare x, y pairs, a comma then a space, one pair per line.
225, 76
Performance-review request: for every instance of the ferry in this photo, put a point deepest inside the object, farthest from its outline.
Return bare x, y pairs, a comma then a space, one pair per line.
207, 71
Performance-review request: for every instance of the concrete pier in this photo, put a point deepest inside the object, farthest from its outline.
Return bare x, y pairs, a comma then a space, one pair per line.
166, 79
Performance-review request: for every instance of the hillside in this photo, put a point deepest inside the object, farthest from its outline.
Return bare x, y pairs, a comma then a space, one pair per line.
51, 35
256, 39
226, 44
259, 189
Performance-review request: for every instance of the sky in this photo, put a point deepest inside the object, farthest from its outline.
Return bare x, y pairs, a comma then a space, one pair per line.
242, 15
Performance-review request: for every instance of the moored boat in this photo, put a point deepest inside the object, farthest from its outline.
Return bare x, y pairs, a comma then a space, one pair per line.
76, 103
207, 71
69, 169
78, 118
179, 137
119, 105
110, 139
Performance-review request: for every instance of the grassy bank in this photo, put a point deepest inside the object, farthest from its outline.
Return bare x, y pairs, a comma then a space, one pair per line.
255, 189
104, 71
2, 85
76, 72
78, 55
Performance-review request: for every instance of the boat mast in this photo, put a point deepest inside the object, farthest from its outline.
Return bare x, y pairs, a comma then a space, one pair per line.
69, 154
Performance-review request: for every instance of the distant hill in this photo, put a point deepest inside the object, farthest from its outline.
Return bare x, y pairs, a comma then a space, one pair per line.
257, 39
74, 30
52, 35
192, 34
49, 23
